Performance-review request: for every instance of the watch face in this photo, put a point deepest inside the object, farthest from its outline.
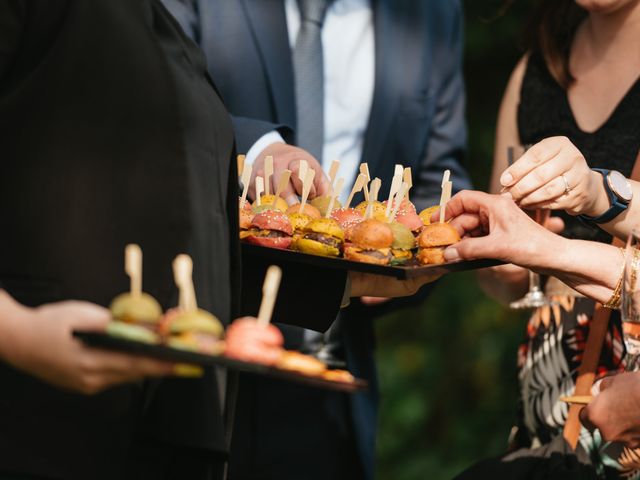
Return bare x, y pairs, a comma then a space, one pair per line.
620, 186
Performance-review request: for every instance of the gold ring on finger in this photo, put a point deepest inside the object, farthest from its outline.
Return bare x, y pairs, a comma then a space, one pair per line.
567, 188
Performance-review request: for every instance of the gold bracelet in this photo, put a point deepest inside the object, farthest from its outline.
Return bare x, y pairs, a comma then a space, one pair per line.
614, 300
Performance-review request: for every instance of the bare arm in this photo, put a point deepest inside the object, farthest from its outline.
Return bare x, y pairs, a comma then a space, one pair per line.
494, 227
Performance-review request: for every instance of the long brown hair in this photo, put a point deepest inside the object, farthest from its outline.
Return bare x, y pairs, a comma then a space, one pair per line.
550, 32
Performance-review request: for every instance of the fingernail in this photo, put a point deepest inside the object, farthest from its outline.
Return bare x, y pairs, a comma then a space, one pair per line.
188, 371
451, 254
506, 179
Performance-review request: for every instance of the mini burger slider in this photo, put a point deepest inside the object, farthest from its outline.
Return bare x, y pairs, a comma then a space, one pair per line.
321, 237
347, 218
135, 317
197, 331
403, 243
371, 243
433, 240
270, 229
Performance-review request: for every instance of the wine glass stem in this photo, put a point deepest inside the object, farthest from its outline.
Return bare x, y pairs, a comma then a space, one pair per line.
534, 281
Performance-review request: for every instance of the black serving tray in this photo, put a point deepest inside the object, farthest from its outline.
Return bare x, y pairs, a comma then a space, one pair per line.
400, 272
162, 352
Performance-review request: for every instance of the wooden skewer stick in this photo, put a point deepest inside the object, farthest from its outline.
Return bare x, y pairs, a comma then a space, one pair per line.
364, 169
259, 190
268, 172
333, 171
335, 193
183, 276
577, 399
269, 294
373, 197
445, 178
444, 199
398, 170
306, 188
360, 181
396, 183
133, 267
302, 170
246, 180
408, 179
241, 159
398, 200
282, 183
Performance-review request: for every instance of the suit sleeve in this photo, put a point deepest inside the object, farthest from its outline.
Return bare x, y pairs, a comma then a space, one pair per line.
448, 134
308, 297
249, 130
12, 13
186, 14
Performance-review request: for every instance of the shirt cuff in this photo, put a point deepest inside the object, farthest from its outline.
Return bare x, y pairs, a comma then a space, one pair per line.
263, 142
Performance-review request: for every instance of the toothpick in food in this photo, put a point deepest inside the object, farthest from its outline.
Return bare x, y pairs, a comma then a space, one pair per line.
357, 186
334, 194
269, 294
268, 172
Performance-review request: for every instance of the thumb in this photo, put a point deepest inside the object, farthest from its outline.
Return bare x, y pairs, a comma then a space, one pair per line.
85, 315
469, 249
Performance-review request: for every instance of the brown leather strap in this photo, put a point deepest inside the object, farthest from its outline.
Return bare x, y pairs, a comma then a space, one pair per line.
592, 350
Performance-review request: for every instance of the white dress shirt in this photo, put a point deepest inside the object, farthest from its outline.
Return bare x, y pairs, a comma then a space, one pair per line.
349, 78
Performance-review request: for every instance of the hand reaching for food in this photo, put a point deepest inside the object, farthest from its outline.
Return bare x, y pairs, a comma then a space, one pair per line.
287, 157
554, 174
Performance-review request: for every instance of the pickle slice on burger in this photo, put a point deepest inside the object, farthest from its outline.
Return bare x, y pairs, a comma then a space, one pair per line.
371, 242
433, 240
270, 229
321, 237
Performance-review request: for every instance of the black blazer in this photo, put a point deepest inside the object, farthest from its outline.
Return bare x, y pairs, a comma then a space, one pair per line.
417, 115
91, 159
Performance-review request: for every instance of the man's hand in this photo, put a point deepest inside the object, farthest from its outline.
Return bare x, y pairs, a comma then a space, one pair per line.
369, 285
615, 411
40, 342
287, 157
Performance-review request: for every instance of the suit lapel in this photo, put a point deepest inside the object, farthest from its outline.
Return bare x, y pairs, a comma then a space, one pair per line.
268, 24
388, 63
401, 61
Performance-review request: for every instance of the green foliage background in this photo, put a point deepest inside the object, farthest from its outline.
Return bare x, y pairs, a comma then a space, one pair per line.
447, 368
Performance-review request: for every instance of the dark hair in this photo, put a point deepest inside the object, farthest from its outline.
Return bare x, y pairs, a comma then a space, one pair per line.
550, 32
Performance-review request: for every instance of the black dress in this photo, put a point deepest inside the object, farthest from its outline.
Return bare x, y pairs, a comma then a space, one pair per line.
551, 354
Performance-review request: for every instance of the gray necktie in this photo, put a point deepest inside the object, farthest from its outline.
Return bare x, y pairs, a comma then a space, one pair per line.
309, 76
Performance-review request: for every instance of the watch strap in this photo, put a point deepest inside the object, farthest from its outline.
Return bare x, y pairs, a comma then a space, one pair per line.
616, 206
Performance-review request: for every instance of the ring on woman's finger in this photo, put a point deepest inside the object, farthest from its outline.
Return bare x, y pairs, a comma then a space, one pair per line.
567, 188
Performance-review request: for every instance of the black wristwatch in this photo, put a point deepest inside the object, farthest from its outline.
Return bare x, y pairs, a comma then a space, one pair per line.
619, 192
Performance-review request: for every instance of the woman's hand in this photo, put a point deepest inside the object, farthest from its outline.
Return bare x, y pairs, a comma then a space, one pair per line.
492, 226
40, 342
554, 174
287, 157
615, 411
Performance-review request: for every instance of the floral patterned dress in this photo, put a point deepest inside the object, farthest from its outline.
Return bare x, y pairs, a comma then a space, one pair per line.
549, 357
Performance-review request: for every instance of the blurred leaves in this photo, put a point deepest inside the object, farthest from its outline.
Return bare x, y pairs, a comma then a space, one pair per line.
448, 368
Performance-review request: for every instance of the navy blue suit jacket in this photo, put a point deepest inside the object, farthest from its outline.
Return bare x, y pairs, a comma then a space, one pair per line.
417, 115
